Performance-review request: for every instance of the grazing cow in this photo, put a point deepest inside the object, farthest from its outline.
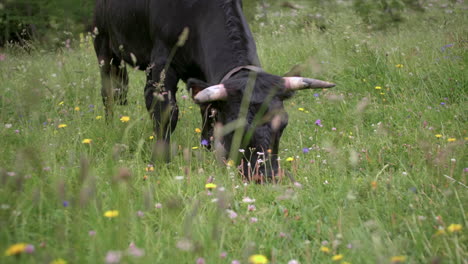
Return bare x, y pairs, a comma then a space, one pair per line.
217, 59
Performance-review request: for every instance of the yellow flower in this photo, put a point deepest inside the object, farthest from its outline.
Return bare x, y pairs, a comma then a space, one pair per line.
438, 135
451, 139
194, 147
151, 137
382, 93
210, 186
345, 262
61, 103
258, 259
454, 228
87, 141
324, 249
378, 88
440, 231
337, 257
290, 159
230, 163
62, 126
125, 119
15, 249
98, 117
58, 261
399, 66
301, 109
197, 130
151, 168
398, 259
77, 108
111, 213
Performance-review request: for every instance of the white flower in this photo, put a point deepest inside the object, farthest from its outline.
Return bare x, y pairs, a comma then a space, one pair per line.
248, 200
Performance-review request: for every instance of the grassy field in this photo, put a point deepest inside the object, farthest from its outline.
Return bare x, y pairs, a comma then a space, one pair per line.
382, 180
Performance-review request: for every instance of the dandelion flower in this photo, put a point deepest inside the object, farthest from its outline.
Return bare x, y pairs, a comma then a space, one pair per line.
454, 228
87, 141
98, 117
301, 109
230, 163
197, 130
194, 148
149, 168
125, 119
151, 137
398, 259
258, 259
378, 88
438, 135
324, 249
290, 159
77, 108
399, 66
16, 249
210, 186
62, 126
111, 213
61, 103
58, 261
337, 257
451, 139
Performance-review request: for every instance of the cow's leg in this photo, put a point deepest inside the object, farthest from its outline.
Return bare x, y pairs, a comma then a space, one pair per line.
160, 97
114, 77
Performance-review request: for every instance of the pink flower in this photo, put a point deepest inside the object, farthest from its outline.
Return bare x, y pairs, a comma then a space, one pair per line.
223, 255
318, 122
29, 249
140, 214
200, 261
135, 251
2, 57
113, 257
253, 220
235, 262
251, 207
158, 206
231, 214
91, 233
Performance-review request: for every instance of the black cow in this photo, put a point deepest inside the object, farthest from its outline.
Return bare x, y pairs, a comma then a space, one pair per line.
218, 61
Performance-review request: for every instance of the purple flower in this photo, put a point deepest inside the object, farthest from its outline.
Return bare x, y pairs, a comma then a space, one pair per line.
316, 95
305, 150
253, 220
200, 261
251, 207
205, 142
91, 233
318, 122
65, 203
231, 214
446, 47
29, 249
113, 257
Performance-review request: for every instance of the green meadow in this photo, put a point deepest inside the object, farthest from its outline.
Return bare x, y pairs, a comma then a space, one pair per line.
379, 162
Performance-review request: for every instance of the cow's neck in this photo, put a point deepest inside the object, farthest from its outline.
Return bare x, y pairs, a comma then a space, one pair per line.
227, 43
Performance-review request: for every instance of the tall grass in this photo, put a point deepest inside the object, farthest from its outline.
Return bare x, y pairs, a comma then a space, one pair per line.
383, 177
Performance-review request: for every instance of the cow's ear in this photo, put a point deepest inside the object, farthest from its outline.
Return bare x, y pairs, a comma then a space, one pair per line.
194, 86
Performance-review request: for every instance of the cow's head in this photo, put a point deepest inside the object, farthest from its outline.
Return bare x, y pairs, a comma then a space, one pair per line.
255, 102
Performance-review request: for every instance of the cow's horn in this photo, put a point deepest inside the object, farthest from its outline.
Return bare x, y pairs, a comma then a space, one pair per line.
299, 83
211, 94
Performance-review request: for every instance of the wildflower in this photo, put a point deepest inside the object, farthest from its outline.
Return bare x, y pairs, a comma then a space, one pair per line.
61, 103
77, 108
258, 259
134, 251
374, 185
58, 261
337, 257
125, 119
62, 126
248, 200
29, 249
398, 259
293, 261
399, 66
98, 117
145, 177
325, 249
251, 207
378, 88
438, 135
158, 206
440, 231
210, 186
194, 148
16, 249
345, 262
451, 139
140, 214
235, 262
179, 178
113, 257
65, 203
151, 137
8, 125
301, 109
197, 130
305, 150
318, 122
111, 213
290, 159
230, 163
231, 214
91, 233
241, 150
87, 141
2, 57
204, 142
200, 261
253, 220
454, 228
149, 168
223, 255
